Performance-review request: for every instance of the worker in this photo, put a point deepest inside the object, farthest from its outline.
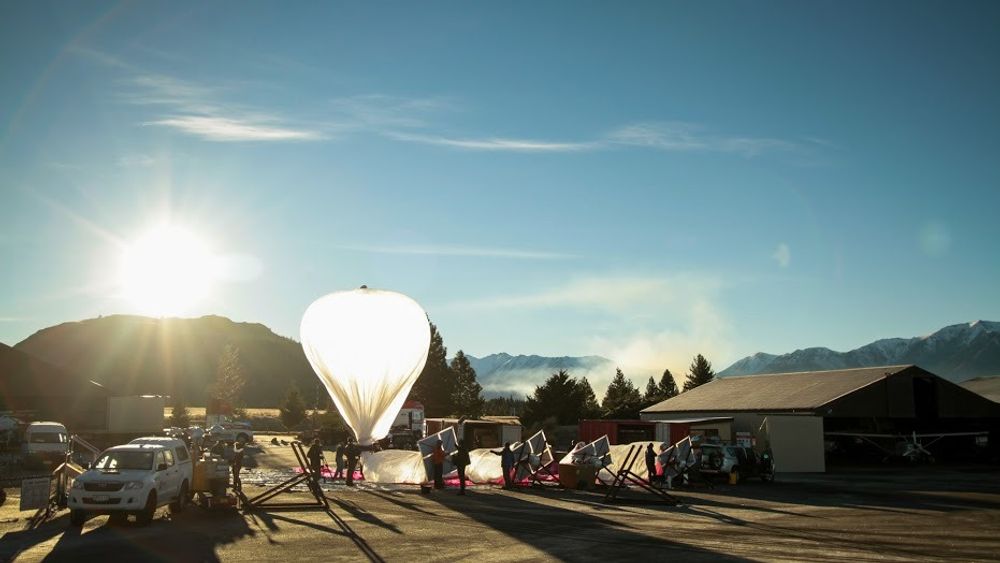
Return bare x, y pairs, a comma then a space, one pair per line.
352, 451
339, 457
461, 460
237, 465
197, 434
437, 459
506, 464
315, 455
651, 462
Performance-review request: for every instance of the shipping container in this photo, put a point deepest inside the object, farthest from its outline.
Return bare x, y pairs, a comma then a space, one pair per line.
617, 431
141, 414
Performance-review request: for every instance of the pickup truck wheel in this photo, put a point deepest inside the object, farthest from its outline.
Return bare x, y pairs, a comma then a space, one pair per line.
118, 517
77, 517
180, 504
145, 516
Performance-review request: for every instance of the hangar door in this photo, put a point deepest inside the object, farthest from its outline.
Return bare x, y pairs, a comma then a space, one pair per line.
797, 443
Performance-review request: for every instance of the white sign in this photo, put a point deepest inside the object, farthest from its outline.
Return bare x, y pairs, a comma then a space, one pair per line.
35, 493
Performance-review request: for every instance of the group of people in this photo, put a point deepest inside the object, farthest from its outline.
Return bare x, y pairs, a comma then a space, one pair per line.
460, 459
346, 457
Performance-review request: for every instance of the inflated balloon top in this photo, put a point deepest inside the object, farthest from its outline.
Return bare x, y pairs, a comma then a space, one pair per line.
368, 346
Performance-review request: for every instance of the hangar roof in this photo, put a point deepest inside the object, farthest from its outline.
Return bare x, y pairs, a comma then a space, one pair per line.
806, 391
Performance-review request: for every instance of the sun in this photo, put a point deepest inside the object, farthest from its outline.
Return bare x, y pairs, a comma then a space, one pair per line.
167, 272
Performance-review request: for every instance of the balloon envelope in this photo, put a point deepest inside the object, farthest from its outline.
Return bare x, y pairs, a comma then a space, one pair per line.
368, 347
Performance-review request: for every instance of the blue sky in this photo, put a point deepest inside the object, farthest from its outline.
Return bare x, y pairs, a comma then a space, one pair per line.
643, 181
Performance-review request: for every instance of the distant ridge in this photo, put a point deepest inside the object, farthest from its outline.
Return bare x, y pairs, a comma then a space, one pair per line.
503, 374
956, 352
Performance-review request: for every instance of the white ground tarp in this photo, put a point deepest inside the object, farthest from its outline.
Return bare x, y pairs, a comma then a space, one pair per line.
407, 467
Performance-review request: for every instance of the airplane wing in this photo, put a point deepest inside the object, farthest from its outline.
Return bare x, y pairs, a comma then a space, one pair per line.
949, 434
862, 435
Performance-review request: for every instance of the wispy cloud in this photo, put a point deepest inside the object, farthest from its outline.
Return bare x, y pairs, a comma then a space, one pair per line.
782, 255
622, 295
218, 128
208, 111
495, 143
458, 250
668, 137
678, 136
200, 110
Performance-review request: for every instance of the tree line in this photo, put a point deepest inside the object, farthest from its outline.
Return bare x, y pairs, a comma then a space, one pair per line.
450, 389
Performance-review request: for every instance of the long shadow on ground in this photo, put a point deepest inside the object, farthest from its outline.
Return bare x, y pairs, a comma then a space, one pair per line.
568, 534
202, 533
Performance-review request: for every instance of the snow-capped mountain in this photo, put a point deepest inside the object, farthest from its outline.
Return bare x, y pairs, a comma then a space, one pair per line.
503, 374
956, 352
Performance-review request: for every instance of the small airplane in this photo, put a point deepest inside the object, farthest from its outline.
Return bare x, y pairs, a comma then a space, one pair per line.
906, 446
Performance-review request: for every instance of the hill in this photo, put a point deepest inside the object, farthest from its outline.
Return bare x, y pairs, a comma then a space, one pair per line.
957, 352
142, 355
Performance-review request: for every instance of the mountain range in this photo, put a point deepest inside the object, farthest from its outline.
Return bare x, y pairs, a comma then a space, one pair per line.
957, 352
141, 355
504, 375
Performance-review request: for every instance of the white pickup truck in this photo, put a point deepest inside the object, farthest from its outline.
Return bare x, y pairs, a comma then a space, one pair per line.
136, 478
231, 432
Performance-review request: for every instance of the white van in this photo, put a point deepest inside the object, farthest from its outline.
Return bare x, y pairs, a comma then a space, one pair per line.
136, 478
46, 441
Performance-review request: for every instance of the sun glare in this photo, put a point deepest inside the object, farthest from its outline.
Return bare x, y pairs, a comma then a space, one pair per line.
167, 271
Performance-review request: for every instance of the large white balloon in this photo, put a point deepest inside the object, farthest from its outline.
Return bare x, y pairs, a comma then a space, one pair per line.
368, 347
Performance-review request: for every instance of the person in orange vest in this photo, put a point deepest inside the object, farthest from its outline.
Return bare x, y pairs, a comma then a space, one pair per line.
437, 458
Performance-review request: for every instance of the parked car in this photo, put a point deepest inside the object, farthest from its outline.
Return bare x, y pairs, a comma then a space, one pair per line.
231, 432
736, 462
135, 478
45, 441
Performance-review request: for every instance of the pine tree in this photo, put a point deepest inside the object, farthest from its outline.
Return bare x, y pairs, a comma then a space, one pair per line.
179, 415
667, 386
622, 399
229, 377
699, 373
435, 387
652, 395
468, 394
587, 399
293, 410
559, 398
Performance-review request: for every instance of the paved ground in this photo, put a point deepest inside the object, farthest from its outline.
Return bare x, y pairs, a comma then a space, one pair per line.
930, 514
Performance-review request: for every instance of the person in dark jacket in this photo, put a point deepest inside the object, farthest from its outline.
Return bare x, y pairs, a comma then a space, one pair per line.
506, 464
315, 455
461, 460
437, 459
651, 463
237, 465
339, 456
353, 452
